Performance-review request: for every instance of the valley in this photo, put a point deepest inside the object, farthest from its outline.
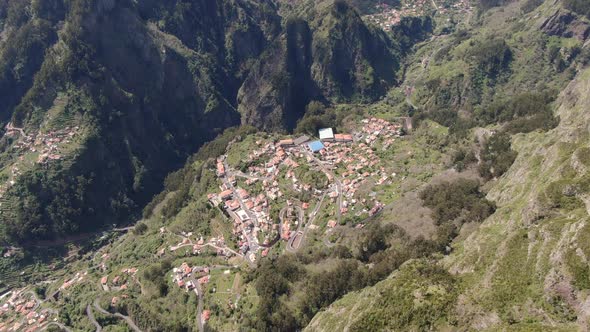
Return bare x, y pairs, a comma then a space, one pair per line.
294, 165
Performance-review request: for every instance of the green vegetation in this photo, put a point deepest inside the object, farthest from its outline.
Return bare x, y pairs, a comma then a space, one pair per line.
496, 156
522, 113
459, 201
420, 297
279, 281
579, 6
170, 83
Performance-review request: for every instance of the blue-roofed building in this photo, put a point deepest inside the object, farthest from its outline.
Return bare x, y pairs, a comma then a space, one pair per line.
315, 146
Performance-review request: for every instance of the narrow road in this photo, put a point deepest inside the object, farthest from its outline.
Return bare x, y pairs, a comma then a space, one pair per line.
252, 242
60, 325
328, 243
123, 229
435, 5
199, 293
128, 320
301, 221
336, 181
90, 315
251, 177
312, 216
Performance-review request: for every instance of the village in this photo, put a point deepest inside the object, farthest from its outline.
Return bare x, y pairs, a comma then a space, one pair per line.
30, 149
280, 188
389, 16
21, 310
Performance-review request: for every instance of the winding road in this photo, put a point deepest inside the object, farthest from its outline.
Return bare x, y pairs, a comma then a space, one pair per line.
90, 315
252, 241
301, 221
336, 181
128, 320
60, 325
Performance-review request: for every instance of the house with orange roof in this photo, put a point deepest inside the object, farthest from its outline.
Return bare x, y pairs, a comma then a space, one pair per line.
343, 138
226, 194
205, 315
286, 142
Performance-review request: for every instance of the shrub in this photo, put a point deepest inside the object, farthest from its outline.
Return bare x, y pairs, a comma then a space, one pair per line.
581, 7
457, 201
496, 156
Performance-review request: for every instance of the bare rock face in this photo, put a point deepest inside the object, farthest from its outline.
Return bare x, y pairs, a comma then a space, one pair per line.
566, 24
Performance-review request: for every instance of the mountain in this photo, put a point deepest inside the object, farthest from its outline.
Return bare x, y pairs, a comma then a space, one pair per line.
145, 84
333, 57
455, 196
525, 267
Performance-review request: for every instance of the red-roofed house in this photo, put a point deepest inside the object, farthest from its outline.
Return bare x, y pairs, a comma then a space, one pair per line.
286, 142
226, 194
343, 138
205, 315
203, 280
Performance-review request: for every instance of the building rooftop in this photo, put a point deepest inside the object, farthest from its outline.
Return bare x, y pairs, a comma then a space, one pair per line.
326, 133
316, 146
301, 140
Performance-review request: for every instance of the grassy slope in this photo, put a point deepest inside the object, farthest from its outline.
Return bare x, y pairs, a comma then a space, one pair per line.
526, 267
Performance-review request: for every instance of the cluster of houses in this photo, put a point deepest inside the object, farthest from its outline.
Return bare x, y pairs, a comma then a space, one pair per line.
21, 312
374, 128
250, 214
358, 162
46, 144
462, 6
190, 278
79, 276
388, 16
351, 155
119, 282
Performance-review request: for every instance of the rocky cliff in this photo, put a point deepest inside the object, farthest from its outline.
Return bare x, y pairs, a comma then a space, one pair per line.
328, 55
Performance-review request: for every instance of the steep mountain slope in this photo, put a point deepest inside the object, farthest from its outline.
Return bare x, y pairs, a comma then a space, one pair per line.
526, 264
526, 267
331, 56
145, 84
